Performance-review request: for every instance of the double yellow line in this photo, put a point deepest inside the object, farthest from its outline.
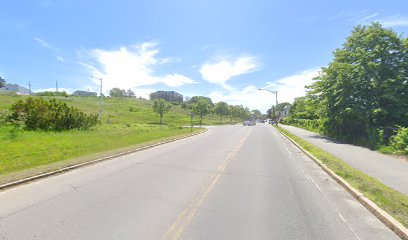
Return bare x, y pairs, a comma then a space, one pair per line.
185, 217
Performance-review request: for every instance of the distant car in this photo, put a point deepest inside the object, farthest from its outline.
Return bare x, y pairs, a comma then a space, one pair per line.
249, 123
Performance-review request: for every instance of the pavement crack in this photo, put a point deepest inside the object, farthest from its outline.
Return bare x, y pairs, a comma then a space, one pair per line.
73, 186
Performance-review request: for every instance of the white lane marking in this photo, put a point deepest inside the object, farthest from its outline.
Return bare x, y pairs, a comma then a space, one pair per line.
325, 197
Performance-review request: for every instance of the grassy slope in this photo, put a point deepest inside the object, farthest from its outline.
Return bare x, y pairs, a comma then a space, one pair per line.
119, 110
393, 202
131, 124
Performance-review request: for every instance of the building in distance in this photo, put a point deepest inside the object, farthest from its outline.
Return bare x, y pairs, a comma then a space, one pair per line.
169, 96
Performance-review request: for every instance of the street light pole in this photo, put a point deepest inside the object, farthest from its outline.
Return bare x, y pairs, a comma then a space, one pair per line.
100, 100
276, 95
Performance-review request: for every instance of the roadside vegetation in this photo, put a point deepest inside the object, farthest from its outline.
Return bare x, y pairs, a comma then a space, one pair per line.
37, 131
391, 201
362, 95
35, 148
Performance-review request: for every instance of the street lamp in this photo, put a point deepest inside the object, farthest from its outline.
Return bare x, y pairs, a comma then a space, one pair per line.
100, 99
276, 106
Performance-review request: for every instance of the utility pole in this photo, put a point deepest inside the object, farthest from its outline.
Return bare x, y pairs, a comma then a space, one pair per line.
29, 88
276, 106
56, 85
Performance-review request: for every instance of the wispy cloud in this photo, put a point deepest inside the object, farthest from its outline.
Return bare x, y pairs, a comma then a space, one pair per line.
288, 88
45, 44
220, 71
394, 21
366, 16
131, 67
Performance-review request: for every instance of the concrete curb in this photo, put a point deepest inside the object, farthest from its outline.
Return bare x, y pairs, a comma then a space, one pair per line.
384, 217
69, 168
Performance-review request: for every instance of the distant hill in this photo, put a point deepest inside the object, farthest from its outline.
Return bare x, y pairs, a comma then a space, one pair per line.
9, 87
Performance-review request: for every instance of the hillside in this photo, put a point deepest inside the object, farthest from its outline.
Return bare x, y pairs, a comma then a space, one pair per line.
119, 110
132, 123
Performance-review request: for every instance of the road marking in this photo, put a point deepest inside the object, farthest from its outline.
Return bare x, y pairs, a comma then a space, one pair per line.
185, 217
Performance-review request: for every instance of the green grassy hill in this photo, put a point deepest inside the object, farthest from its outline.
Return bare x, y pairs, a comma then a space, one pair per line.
132, 123
119, 110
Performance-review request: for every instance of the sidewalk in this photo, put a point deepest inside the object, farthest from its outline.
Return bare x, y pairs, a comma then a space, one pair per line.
391, 171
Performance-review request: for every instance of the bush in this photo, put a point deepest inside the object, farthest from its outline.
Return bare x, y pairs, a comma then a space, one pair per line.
308, 124
400, 141
38, 114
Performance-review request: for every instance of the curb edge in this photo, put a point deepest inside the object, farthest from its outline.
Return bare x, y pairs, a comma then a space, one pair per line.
383, 216
69, 168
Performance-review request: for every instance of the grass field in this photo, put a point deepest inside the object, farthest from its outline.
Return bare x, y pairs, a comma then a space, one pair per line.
121, 110
132, 122
391, 201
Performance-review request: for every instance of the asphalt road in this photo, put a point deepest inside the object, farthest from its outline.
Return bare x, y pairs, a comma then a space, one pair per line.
232, 182
392, 171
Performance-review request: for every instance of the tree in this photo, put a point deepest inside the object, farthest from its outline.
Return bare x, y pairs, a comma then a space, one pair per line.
130, 93
161, 107
256, 114
117, 92
201, 107
281, 106
196, 98
234, 112
221, 109
2, 82
365, 86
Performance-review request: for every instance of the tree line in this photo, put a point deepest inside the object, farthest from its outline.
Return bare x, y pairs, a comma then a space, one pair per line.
202, 106
362, 95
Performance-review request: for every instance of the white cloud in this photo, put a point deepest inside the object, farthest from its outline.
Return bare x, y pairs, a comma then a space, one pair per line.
45, 44
67, 90
365, 17
131, 67
60, 59
288, 89
219, 72
394, 21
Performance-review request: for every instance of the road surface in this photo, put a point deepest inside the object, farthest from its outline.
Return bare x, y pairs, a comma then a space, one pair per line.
391, 171
232, 182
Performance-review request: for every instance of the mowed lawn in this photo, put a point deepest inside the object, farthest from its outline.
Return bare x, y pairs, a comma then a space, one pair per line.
131, 122
31, 149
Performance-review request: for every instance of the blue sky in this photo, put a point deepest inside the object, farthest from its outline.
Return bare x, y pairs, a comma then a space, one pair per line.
222, 49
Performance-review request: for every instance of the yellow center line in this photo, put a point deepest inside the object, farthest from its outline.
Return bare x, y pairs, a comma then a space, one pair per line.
185, 217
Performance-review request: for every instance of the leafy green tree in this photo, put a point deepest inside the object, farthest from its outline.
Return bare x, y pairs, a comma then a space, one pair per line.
256, 114
221, 109
130, 93
365, 86
282, 106
2, 82
161, 107
304, 108
201, 107
233, 112
117, 92
196, 98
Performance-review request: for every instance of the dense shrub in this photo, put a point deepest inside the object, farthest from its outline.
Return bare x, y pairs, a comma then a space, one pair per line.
400, 141
39, 114
309, 124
